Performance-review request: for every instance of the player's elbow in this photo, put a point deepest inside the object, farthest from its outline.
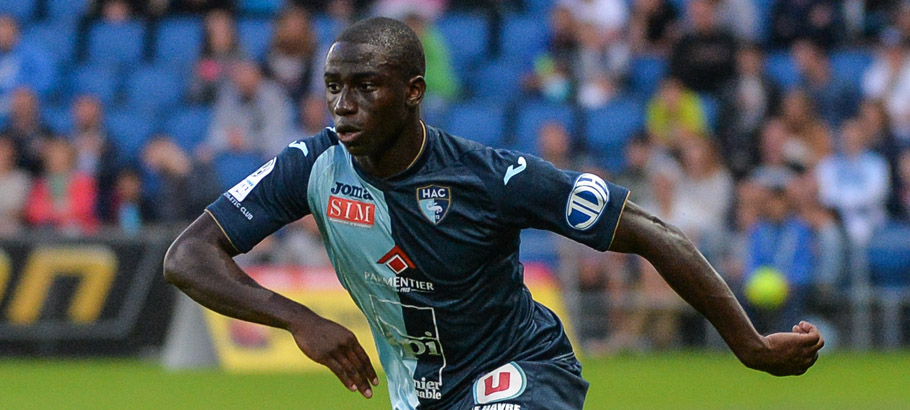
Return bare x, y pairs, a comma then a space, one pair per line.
177, 261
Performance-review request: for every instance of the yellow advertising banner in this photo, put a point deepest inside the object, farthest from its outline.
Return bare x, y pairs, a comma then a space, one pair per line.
248, 347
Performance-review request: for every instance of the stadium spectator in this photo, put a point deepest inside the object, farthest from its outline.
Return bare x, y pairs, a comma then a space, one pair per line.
611, 17
312, 116
775, 167
64, 198
875, 122
888, 80
426, 9
818, 20
301, 245
15, 184
781, 240
601, 65
21, 65
26, 129
637, 172
96, 155
705, 57
855, 183
740, 17
902, 185
293, 59
198, 6
132, 210
220, 51
552, 76
554, 144
185, 186
745, 103
675, 115
654, 26
442, 82
809, 139
120, 11
252, 114
702, 196
834, 98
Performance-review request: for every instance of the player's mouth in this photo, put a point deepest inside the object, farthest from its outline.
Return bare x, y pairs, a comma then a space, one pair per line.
347, 134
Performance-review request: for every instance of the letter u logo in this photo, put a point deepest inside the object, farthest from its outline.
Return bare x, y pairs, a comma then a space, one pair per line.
503, 383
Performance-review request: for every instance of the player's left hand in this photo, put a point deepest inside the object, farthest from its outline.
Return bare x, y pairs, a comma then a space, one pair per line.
790, 353
336, 347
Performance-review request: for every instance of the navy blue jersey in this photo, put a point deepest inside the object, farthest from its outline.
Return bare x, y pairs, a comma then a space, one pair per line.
430, 256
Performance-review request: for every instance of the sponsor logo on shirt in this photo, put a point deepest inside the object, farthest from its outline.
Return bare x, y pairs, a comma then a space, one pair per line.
243, 188
434, 202
347, 211
587, 201
341, 188
398, 262
505, 383
512, 170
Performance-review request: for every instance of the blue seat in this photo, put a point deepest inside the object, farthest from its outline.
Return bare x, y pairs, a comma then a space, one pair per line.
850, 64
711, 109
129, 132
255, 35
646, 74
98, 80
480, 121
59, 118
467, 36
152, 88
781, 68
538, 7
260, 7
231, 168
179, 40
538, 246
523, 38
497, 81
327, 29
889, 256
116, 43
531, 118
67, 10
58, 39
189, 126
22, 10
608, 129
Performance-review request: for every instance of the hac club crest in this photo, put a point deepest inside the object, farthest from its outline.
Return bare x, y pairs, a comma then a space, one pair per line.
434, 202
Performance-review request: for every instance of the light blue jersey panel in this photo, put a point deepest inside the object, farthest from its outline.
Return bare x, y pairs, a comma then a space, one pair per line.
354, 221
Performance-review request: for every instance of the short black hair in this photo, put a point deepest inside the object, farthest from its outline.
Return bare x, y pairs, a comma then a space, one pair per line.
396, 39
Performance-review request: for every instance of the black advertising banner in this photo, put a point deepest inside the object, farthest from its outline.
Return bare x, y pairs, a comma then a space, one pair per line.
102, 295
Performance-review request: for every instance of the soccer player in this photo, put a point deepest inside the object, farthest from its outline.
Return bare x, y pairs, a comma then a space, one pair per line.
422, 228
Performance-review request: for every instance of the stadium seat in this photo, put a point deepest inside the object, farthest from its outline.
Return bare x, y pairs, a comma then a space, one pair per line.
609, 128
58, 117
889, 256
22, 10
711, 108
782, 70
467, 36
260, 7
98, 80
231, 168
116, 43
538, 7
523, 38
67, 10
646, 74
850, 64
58, 39
480, 121
189, 126
255, 35
327, 28
129, 132
532, 116
151, 88
497, 81
179, 40
538, 246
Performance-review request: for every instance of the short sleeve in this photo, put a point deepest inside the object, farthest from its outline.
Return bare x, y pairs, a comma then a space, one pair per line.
269, 198
535, 194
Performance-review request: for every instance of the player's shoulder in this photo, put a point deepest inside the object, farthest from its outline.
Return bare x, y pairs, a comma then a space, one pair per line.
473, 154
311, 147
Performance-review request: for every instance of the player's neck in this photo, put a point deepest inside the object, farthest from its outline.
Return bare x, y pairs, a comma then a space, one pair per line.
401, 155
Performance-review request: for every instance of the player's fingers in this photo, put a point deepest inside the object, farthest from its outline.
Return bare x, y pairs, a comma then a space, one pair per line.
370, 372
353, 371
797, 329
341, 373
807, 327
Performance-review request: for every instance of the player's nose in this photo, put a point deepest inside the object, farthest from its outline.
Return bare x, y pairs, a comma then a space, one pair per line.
344, 104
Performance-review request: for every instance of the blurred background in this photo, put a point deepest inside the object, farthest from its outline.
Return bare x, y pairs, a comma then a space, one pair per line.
774, 133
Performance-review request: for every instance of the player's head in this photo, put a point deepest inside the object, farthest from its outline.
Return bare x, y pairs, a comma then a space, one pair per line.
374, 83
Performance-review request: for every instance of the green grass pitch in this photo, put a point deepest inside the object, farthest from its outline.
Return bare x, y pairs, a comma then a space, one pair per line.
684, 380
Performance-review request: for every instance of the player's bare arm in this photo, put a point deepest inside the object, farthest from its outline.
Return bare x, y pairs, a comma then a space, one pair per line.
692, 277
200, 263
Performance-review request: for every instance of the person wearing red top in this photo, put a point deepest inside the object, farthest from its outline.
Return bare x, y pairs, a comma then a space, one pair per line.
62, 199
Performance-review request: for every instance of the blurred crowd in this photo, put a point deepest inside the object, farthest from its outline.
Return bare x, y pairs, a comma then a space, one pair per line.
775, 133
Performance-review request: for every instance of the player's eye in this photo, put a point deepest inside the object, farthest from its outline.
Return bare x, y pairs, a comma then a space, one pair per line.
367, 86
333, 87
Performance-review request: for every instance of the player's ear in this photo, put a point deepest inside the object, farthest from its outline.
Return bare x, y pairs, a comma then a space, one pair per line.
417, 86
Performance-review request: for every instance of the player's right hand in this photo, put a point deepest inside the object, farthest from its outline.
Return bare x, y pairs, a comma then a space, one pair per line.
335, 347
790, 354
